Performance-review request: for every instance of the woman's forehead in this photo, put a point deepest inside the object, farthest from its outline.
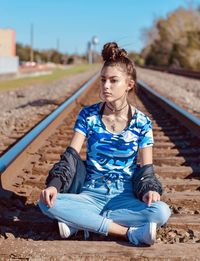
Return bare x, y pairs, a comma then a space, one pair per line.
112, 71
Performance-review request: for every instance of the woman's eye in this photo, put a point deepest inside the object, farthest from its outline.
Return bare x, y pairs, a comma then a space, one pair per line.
103, 80
113, 81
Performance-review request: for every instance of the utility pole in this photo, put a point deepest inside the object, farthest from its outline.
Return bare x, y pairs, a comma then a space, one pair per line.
31, 49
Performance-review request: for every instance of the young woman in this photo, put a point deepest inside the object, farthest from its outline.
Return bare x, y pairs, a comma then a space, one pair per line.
116, 131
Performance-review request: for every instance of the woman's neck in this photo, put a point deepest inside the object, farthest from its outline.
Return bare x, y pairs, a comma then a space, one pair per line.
122, 112
116, 120
115, 108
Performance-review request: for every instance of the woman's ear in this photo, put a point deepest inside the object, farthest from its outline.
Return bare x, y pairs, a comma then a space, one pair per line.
131, 84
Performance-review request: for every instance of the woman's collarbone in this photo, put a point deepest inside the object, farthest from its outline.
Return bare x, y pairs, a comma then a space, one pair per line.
115, 123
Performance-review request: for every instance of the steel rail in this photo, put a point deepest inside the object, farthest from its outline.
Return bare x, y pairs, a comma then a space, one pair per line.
190, 121
18, 148
180, 72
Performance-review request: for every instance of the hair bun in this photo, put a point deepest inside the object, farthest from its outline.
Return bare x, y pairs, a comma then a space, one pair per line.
111, 52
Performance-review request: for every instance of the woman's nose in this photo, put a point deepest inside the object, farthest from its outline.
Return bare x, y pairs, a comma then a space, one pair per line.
106, 84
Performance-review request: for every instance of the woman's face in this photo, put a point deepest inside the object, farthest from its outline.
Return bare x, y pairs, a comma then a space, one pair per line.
114, 83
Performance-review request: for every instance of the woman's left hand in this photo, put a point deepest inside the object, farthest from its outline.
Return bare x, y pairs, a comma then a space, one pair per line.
151, 196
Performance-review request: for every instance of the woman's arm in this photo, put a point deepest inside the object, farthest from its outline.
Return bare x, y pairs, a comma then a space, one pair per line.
49, 194
146, 157
77, 141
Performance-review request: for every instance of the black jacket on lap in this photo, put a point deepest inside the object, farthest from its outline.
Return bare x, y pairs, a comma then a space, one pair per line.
68, 175
145, 180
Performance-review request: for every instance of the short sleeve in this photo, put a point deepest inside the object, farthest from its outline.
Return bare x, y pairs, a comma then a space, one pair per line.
81, 123
146, 135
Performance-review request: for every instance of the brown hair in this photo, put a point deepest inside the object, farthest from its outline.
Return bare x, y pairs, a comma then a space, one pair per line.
113, 55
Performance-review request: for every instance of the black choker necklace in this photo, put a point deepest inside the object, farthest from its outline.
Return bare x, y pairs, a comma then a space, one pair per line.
114, 110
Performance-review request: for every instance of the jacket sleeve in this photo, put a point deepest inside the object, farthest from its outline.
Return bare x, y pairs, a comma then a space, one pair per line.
62, 173
144, 180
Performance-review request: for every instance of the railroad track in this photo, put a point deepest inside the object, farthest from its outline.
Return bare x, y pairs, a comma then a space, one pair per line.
181, 72
176, 159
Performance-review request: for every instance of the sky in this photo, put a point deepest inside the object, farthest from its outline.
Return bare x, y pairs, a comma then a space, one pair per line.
68, 25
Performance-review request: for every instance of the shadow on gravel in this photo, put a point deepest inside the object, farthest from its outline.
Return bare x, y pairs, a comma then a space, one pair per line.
19, 219
38, 103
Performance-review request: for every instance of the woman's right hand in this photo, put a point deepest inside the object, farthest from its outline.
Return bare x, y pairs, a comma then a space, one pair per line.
48, 196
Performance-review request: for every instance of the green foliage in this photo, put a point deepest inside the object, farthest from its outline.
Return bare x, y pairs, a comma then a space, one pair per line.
136, 58
176, 42
23, 52
42, 56
70, 60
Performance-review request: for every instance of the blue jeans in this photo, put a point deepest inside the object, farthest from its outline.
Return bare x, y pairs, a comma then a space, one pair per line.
99, 204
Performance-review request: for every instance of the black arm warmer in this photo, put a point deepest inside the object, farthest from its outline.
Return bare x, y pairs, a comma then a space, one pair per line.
68, 175
145, 180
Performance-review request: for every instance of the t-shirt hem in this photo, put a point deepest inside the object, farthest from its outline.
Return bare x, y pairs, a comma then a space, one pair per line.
145, 146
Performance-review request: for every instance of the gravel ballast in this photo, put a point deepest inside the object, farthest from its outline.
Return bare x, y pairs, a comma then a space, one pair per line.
183, 91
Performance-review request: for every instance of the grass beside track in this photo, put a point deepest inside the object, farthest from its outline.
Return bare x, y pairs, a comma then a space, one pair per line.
56, 74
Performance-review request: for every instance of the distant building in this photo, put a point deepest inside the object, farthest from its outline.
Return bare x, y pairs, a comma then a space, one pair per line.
7, 42
8, 60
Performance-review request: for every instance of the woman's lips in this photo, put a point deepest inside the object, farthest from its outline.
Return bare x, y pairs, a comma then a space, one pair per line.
106, 93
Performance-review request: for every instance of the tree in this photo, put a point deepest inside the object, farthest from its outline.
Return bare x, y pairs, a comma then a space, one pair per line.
176, 41
23, 52
136, 58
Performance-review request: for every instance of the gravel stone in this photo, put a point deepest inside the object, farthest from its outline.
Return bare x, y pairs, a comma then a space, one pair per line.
9, 236
183, 91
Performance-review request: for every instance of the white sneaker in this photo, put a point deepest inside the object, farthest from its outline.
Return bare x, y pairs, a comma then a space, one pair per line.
65, 230
143, 234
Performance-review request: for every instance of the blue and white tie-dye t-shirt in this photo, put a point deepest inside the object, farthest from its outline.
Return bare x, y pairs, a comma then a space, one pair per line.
111, 155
